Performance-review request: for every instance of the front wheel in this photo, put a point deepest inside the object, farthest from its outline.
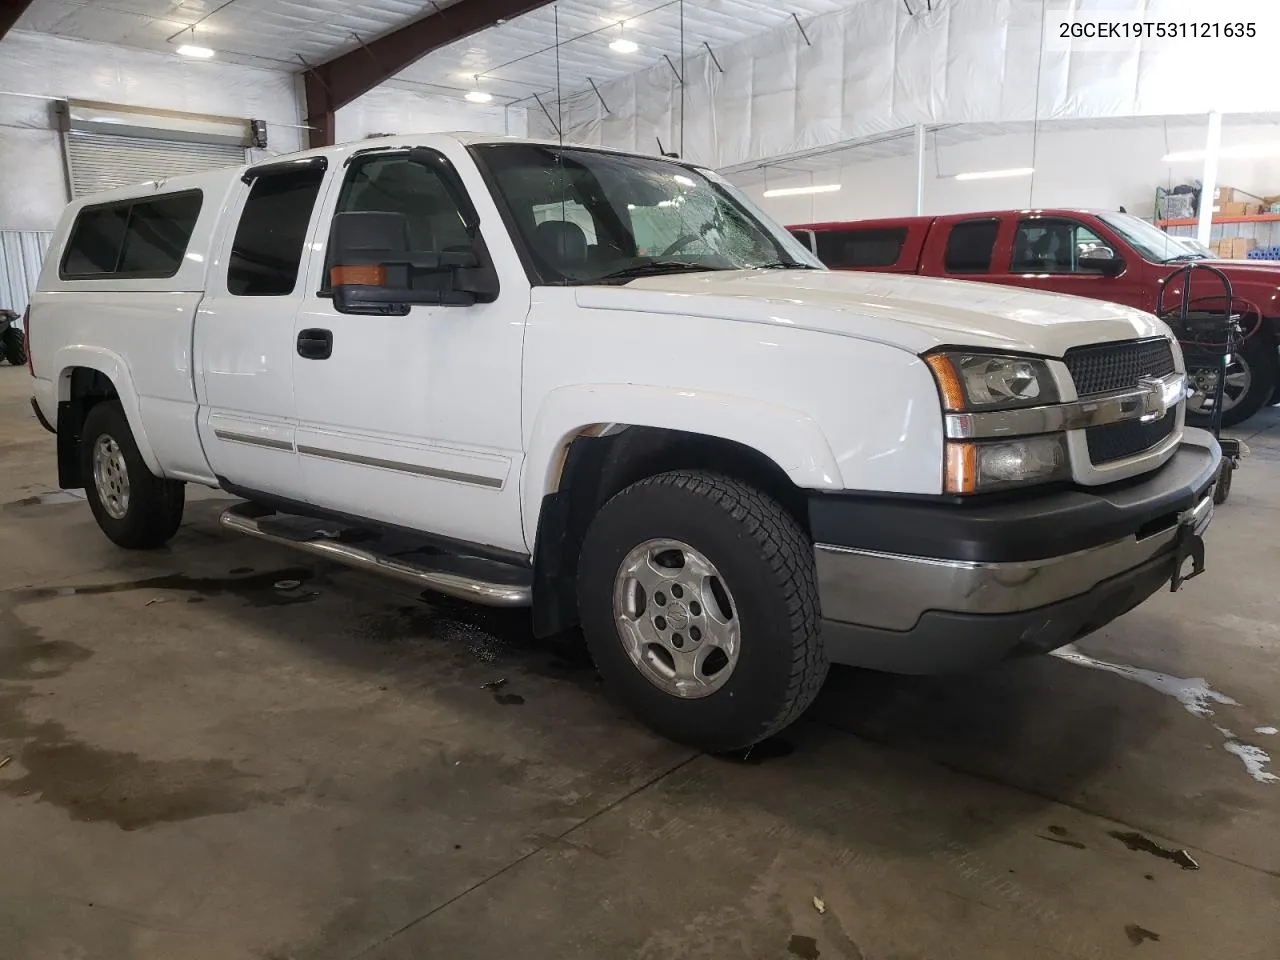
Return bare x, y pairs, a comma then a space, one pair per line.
135, 509
1252, 377
699, 603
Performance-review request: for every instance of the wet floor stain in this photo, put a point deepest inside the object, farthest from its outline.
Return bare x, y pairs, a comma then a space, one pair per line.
39, 659
240, 571
1136, 841
806, 948
257, 590
1196, 697
1063, 836
96, 785
1137, 934
45, 499
508, 699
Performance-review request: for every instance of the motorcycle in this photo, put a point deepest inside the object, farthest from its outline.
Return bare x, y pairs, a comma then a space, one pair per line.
12, 340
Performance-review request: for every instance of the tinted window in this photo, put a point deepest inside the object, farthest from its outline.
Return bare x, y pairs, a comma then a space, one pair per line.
1052, 246
872, 247
273, 226
969, 246
135, 238
397, 184
158, 234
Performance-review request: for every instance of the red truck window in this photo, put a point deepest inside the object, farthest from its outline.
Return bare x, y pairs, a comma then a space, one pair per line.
1043, 245
869, 247
969, 246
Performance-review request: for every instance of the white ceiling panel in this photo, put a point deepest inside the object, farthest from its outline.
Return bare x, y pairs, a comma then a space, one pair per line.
514, 59
257, 32
519, 57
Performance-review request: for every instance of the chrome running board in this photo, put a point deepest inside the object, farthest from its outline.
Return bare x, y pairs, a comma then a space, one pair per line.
468, 578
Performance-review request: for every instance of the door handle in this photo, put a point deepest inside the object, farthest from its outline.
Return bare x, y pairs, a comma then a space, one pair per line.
315, 344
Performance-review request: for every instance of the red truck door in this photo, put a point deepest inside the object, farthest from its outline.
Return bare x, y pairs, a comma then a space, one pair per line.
1059, 253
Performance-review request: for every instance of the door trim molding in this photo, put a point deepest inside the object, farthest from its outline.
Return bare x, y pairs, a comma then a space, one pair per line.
435, 473
254, 441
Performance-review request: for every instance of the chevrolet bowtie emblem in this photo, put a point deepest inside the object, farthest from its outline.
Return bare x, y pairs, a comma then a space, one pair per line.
1154, 403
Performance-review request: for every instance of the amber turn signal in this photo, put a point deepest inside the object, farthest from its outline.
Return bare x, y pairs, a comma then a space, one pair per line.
370, 276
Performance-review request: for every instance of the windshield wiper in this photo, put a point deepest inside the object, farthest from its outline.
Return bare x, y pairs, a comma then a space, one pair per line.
1186, 256
651, 268
783, 265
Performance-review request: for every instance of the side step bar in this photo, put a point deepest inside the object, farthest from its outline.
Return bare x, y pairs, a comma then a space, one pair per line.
468, 578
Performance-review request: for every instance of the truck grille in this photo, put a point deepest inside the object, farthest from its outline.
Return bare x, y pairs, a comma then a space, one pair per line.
1117, 366
1115, 441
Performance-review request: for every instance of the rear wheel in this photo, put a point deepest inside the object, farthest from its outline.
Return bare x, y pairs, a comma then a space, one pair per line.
700, 606
13, 345
135, 509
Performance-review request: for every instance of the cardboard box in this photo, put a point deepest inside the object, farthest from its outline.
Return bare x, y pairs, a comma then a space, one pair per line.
1233, 209
1225, 195
1235, 248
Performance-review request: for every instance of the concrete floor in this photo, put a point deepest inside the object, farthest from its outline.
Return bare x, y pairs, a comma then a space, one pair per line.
202, 766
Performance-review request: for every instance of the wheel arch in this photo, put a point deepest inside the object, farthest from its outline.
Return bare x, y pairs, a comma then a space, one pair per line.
88, 376
599, 460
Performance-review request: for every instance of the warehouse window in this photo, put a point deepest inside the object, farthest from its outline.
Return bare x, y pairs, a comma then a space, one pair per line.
273, 227
970, 245
869, 247
132, 238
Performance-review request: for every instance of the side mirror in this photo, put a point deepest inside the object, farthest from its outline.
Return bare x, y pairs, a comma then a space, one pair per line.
374, 271
1101, 260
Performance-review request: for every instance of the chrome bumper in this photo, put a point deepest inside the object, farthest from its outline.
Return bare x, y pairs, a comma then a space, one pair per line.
892, 592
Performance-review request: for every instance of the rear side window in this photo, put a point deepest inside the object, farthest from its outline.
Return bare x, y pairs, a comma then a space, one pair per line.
870, 247
970, 245
132, 238
273, 227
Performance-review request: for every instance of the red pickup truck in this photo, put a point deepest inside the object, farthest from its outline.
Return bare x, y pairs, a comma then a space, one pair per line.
1106, 256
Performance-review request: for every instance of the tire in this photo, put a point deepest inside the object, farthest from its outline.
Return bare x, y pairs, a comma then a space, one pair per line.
13, 345
135, 509
1257, 368
1222, 490
761, 560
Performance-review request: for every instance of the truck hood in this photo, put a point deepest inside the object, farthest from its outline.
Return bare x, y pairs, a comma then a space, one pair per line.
902, 310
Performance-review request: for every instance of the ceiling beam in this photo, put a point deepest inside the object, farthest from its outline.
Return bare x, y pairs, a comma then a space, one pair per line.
10, 11
337, 82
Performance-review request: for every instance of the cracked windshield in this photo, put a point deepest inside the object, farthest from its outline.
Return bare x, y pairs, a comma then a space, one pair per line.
586, 216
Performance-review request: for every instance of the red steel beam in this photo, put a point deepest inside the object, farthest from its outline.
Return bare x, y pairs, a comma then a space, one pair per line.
336, 83
10, 11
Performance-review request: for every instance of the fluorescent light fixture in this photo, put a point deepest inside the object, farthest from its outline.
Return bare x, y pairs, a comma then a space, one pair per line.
624, 46
478, 96
797, 191
996, 174
191, 50
1241, 152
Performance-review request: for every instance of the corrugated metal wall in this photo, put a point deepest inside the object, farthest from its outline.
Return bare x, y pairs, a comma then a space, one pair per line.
21, 254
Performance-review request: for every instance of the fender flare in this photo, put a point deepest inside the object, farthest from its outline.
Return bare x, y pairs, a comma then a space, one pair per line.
790, 438
113, 367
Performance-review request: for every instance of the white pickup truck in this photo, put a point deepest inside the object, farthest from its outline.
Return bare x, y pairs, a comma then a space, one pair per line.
607, 388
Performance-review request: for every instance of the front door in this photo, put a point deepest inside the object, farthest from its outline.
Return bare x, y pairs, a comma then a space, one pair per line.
1050, 254
413, 420
244, 334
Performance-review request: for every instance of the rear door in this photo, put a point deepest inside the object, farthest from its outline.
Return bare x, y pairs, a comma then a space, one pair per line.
967, 248
244, 334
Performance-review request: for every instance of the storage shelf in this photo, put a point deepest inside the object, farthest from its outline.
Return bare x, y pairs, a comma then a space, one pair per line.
1192, 221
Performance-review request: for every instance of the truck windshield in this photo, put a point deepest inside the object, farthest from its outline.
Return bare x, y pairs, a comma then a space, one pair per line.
1150, 241
589, 216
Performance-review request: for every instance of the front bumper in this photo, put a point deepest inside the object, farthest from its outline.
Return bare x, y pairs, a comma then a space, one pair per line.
973, 584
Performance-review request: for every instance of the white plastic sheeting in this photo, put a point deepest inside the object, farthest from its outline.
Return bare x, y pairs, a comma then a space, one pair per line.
38, 68
392, 109
875, 67
21, 254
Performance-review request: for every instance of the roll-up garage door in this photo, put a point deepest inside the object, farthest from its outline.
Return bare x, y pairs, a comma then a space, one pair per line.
100, 161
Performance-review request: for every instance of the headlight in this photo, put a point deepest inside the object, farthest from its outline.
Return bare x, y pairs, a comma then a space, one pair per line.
992, 465
983, 381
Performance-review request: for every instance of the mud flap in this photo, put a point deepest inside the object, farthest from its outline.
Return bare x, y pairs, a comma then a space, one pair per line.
1187, 545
